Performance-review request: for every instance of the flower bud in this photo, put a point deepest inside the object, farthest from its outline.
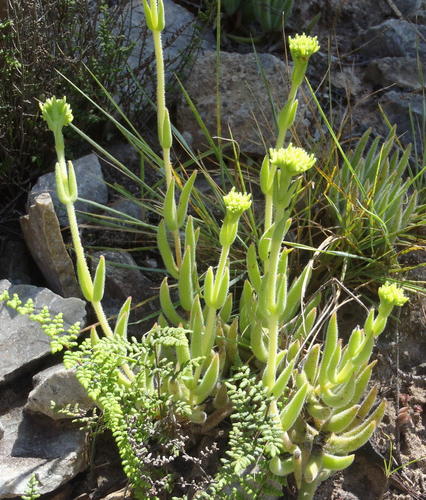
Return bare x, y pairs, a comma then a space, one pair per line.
235, 203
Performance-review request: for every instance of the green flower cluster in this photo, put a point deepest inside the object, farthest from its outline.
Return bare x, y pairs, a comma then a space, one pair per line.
292, 159
303, 46
57, 113
390, 294
236, 203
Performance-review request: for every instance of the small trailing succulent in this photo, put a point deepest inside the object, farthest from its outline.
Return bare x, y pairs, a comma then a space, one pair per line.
298, 408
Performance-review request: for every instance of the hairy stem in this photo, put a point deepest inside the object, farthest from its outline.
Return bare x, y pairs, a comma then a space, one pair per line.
161, 99
79, 251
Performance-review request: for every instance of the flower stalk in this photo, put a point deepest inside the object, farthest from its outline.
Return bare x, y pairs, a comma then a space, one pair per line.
301, 49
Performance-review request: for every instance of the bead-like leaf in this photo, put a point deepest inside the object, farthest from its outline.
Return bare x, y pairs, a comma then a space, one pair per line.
99, 280
293, 408
282, 380
226, 311
253, 268
340, 421
170, 210
256, 342
165, 250
184, 198
72, 183
336, 462
368, 402
310, 366
120, 329
281, 467
84, 280
62, 189
209, 380
209, 296
340, 397
167, 306
343, 444
196, 324
186, 292
221, 289
329, 348
165, 131
296, 293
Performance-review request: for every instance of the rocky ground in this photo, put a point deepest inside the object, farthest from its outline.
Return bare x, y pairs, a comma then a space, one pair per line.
370, 56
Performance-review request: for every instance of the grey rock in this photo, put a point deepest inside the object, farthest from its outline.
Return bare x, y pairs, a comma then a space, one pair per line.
398, 107
246, 109
400, 71
1, 430
22, 342
59, 385
54, 452
91, 186
44, 239
123, 280
393, 38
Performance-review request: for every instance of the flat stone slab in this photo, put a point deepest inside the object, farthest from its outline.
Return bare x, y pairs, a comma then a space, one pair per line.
59, 385
22, 341
53, 451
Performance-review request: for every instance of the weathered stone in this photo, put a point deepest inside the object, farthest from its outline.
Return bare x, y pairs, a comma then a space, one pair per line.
1, 430
59, 385
398, 108
393, 38
401, 71
246, 109
123, 280
90, 182
54, 452
44, 239
22, 342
